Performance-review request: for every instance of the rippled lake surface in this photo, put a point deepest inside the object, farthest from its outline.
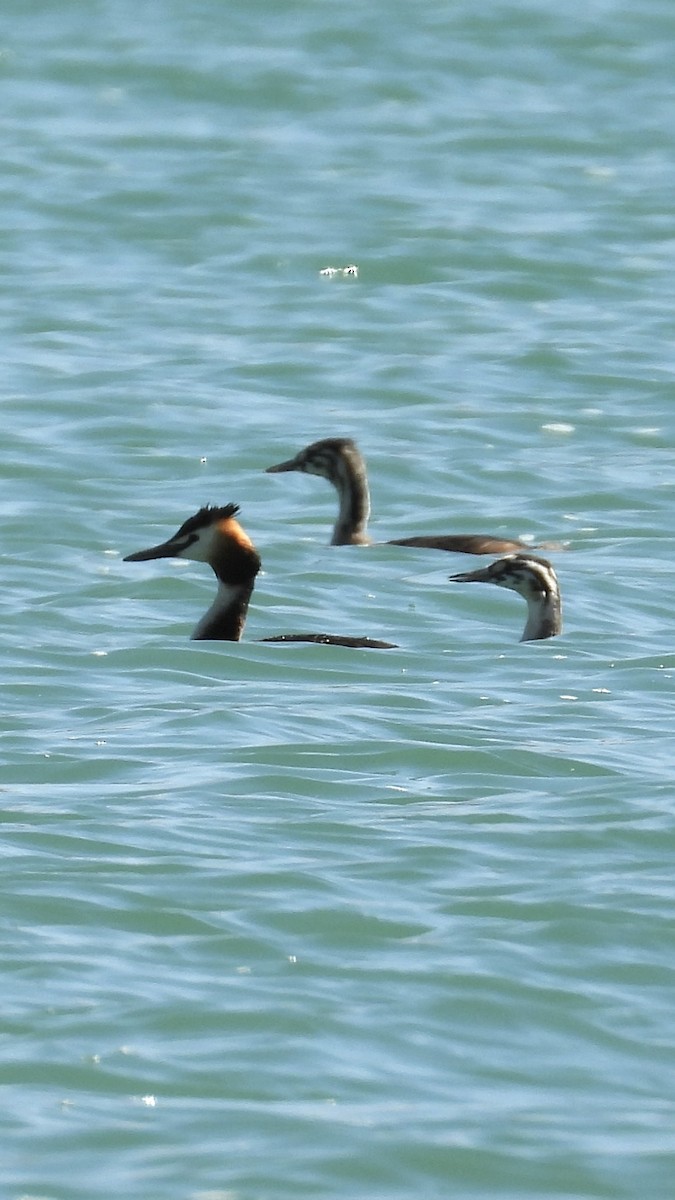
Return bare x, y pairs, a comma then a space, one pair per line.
286, 921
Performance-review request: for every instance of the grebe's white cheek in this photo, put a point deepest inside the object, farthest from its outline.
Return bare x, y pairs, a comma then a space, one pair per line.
200, 550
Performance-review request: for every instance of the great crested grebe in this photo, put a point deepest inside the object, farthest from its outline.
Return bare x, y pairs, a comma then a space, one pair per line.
213, 536
340, 461
535, 580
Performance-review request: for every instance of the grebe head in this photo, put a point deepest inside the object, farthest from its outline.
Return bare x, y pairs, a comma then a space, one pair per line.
322, 458
340, 461
535, 580
212, 536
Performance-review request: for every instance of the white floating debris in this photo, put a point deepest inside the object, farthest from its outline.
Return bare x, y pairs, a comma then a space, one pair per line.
331, 272
558, 427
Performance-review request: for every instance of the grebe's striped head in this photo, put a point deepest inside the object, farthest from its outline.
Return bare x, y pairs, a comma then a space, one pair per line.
535, 580
530, 576
212, 536
327, 458
339, 461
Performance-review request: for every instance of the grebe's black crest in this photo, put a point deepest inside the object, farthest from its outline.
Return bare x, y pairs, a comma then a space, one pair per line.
206, 516
198, 536
535, 580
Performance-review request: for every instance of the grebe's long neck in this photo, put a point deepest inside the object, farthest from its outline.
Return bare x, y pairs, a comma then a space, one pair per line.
544, 616
225, 619
351, 482
235, 562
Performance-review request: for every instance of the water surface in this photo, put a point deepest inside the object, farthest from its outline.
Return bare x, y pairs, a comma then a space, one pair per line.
285, 921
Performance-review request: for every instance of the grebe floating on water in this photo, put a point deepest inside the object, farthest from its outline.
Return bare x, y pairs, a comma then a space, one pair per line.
340, 461
535, 580
213, 536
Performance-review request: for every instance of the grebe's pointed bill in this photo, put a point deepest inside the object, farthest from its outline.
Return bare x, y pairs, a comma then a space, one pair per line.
481, 575
171, 549
186, 540
291, 464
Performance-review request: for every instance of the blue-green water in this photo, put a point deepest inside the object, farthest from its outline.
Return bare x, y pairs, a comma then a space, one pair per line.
297, 921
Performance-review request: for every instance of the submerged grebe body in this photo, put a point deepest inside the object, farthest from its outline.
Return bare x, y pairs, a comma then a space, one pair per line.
535, 580
340, 461
213, 536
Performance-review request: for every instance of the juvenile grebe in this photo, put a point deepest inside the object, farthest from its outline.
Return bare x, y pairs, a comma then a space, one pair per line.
535, 580
340, 461
213, 536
